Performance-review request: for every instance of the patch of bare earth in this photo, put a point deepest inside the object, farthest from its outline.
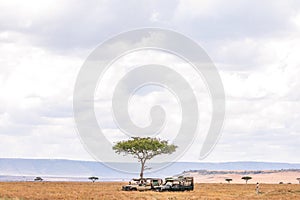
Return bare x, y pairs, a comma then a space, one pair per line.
265, 177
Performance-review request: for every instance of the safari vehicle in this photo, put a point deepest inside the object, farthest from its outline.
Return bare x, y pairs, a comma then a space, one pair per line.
142, 184
177, 184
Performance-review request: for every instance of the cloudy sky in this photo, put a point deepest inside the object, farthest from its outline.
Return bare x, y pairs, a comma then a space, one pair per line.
254, 44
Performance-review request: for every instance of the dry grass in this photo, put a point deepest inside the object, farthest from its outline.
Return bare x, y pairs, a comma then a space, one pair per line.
77, 190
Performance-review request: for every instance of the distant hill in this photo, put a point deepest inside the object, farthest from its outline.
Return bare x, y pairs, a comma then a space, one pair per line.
19, 169
241, 172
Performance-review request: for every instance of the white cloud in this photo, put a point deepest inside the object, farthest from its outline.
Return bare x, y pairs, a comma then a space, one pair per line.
254, 44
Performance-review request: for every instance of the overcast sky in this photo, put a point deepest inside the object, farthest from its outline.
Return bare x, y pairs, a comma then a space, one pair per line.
254, 44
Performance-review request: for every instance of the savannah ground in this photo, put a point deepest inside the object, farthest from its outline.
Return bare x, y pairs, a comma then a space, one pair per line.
112, 190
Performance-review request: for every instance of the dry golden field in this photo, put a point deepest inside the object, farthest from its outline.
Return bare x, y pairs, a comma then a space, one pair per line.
112, 190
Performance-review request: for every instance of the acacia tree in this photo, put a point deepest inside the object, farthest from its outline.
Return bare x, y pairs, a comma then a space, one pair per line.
38, 179
93, 178
246, 178
144, 149
228, 180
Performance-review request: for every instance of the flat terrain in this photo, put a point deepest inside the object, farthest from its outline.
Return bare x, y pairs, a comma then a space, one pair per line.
112, 190
265, 177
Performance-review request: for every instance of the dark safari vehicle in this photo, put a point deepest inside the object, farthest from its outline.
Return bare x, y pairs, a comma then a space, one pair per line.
177, 184
142, 184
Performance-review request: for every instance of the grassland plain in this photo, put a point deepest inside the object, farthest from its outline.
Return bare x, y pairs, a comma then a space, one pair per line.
112, 190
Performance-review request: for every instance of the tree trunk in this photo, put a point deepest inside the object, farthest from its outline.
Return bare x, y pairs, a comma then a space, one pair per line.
142, 169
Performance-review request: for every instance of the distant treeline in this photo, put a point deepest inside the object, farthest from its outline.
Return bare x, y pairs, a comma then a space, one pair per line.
207, 172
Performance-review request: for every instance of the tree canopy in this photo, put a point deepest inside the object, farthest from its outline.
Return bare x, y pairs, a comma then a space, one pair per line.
228, 180
246, 178
144, 149
93, 178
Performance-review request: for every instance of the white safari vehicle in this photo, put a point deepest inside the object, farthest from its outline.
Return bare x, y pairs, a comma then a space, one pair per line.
138, 184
